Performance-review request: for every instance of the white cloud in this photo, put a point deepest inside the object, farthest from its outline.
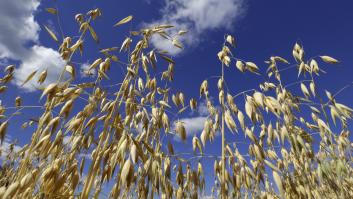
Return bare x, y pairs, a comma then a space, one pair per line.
7, 146
197, 17
194, 125
41, 58
17, 27
19, 40
202, 108
66, 140
84, 70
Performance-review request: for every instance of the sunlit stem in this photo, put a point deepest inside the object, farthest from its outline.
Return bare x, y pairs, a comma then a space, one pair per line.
223, 183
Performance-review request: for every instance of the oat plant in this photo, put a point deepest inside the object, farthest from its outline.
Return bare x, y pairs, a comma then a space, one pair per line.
298, 142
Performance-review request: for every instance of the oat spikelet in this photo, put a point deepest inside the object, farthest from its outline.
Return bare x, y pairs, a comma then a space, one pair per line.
42, 76
125, 20
3, 128
304, 90
126, 173
180, 129
51, 33
29, 77
329, 59
278, 181
11, 190
230, 121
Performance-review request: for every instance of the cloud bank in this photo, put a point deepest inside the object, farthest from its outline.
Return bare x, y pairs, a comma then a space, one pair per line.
19, 40
197, 17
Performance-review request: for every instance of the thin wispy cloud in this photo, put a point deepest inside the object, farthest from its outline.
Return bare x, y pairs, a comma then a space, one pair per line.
197, 17
19, 40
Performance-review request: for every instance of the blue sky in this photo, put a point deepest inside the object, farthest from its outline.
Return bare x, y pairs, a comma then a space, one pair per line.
261, 29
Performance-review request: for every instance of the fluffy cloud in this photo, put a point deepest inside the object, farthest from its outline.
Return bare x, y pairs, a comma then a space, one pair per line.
194, 124
19, 34
17, 27
197, 17
40, 59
